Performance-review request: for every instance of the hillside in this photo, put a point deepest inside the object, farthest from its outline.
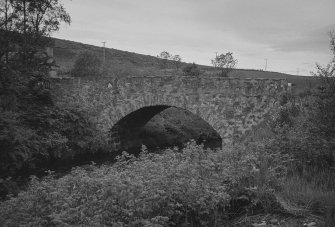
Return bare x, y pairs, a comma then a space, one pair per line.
162, 130
66, 52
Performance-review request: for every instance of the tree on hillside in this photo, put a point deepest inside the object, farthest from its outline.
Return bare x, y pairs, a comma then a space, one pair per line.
225, 62
177, 60
166, 56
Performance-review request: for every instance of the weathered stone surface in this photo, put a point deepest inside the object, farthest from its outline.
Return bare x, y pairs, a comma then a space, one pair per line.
231, 106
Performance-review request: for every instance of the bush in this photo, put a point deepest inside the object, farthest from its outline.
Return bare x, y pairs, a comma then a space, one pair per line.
34, 132
192, 187
296, 151
87, 64
191, 70
33, 139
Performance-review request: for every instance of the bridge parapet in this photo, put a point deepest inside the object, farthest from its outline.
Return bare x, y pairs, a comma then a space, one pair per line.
228, 86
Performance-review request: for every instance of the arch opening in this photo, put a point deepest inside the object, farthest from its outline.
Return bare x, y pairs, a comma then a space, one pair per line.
161, 126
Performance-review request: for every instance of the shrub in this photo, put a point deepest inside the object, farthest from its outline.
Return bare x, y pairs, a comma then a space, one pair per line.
301, 153
87, 64
30, 140
32, 129
191, 187
191, 70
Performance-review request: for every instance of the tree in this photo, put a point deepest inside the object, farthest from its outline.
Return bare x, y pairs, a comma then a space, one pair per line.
177, 60
166, 56
327, 72
29, 23
324, 106
311, 137
7, 18
225, 62
45, 16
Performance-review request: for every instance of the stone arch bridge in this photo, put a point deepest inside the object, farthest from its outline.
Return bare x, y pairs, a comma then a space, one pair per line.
231, 106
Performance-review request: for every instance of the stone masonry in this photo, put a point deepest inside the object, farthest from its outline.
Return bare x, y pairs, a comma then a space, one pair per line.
231, 106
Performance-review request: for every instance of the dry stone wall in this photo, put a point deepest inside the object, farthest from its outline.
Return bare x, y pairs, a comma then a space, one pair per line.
231, 106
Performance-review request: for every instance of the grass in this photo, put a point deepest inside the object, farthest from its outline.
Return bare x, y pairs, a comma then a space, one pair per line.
66, 52
314, 190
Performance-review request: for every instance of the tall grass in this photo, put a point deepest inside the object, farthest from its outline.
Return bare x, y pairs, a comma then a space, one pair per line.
314, 189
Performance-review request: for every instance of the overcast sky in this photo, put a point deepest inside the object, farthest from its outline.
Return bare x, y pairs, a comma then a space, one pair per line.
291, 34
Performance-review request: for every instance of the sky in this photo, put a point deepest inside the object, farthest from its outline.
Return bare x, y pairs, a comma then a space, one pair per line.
289, 35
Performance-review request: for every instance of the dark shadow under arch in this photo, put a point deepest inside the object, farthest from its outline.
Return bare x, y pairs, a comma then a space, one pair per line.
162, 126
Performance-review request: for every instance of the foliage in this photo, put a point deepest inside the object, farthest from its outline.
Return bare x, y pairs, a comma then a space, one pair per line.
191, 70
34, 132
313, 190
300, 133
177, 60
294, 161
29, 139
45, 16
297, 148
165, 56
192, 187
225, 62
25, 26
310, 136
87, 64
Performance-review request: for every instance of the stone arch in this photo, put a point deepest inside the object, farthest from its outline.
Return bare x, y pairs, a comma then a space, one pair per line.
116, 112
132, 121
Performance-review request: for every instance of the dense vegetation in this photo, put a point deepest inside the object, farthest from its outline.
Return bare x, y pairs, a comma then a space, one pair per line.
194, 187
278, 169
34, 131
286, 165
